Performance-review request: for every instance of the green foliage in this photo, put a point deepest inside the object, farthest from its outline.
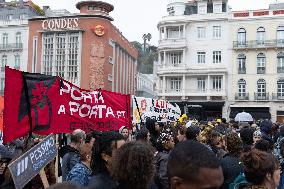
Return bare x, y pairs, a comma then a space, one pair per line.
145, 59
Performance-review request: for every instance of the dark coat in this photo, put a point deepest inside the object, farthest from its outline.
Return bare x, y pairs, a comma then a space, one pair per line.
161, 178
232, 167
80, 175
102, 180
70, 157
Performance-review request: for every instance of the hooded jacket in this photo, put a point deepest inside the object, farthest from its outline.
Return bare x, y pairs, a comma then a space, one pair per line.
70, 157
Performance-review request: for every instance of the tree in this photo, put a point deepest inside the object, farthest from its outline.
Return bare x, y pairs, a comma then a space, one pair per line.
145, 38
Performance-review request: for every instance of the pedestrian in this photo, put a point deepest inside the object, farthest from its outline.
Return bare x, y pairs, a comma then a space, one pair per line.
192, 132
266, 129
264, 145
192, 165
246, 135
181, 131
101, 161
256, 136
70, 154
80, 174
153, 127
143, 135
261, 169
125, 133
231, 163
132, 165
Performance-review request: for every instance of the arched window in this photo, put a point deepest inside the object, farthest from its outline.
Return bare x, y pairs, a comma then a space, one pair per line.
280, 88
280, 34
261, 89
280, 62
241, 64
242, 37
241, 88
261, 61
260, 36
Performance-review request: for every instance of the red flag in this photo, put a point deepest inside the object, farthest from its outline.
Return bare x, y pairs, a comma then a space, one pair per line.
57, 106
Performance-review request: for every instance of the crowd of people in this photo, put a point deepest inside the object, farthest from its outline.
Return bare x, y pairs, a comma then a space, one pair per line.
183, 155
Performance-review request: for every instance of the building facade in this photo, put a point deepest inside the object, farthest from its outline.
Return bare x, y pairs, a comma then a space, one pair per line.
14, 35
146, 85
85, 49
258, 63
194, 57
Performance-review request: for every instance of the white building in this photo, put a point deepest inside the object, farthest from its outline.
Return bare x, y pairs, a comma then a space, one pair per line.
146, 85
14, 35
195, 57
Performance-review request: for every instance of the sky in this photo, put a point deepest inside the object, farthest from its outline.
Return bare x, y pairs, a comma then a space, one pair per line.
137, 17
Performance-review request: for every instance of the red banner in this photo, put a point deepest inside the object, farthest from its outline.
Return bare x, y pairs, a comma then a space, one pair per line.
57, 106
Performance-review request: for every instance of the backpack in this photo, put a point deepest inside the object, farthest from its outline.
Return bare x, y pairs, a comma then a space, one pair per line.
239, 181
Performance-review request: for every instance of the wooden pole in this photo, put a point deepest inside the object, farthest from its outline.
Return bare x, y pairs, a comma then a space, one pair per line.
43, 178
56, 158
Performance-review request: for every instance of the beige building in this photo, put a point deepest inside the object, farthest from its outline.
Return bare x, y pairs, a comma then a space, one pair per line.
258, 63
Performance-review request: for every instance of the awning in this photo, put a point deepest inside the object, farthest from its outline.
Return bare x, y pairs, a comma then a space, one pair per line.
256, 112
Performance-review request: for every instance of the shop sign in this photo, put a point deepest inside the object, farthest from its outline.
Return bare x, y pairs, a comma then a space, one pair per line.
61, 23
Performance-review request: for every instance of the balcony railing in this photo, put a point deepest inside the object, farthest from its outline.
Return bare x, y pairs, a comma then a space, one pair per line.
242, 96
261, 70
261, 96
242, 70
256, 44
278, 96
280, 69
11, 46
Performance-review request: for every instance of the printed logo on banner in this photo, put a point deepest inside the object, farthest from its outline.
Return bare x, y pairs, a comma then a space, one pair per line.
29, 164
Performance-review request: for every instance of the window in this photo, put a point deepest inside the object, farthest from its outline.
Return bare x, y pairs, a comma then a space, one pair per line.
241, 64
261, 88
5, 39
201, 84
260, 36
241, 37
175, 84
23, 16
174, 32
261, 63
241, 88
90, 8
201, 32
9, 17
217, 83
4, 62
17, 62
280, 34
217, 57
216, 32
201, 57
280, 88
64, 62
18, 39
280, 62
175, 59
2, 84
109, 77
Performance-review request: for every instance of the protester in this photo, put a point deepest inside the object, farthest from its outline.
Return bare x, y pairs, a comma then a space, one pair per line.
256, 136
231, 163
192, 132
181, 130
80, 174
193, 165
264, 145
165, 145
132, 165
101, 161
125, 133
143, 135
154, 129
70, 154
222, 126
261, 170
266, 129
246, 135
92, 136
64, 185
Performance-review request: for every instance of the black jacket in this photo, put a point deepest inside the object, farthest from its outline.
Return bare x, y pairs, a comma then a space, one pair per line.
161, 178
102, 180
232, 167
70, 157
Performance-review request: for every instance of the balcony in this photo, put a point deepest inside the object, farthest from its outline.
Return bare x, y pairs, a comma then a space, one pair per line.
242, 96
205, 92
278, 96
171, 68
172, 43
254, 44
11, 47
280, 69
261, 96
242, 71
260, 70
